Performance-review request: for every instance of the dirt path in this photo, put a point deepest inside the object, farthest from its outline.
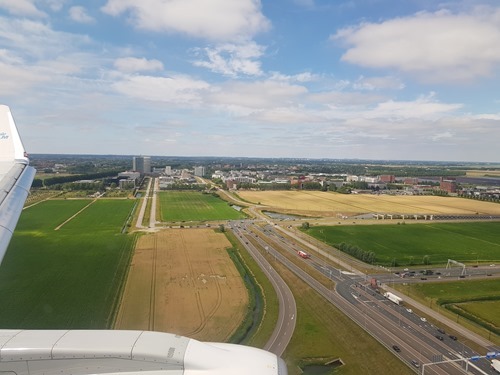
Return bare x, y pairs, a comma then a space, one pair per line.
75, 215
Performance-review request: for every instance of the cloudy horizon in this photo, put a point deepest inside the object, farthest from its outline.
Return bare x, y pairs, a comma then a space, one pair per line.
368, 79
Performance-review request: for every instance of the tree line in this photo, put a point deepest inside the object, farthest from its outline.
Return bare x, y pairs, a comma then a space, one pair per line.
356, 252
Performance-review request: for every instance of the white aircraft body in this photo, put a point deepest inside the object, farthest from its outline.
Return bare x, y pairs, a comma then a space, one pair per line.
111, 352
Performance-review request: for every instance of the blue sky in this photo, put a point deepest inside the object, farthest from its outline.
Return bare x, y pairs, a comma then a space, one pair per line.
368, 79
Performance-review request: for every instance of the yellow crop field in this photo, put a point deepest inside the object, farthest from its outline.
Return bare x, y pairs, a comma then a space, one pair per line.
483, 173
183, 281
331, 204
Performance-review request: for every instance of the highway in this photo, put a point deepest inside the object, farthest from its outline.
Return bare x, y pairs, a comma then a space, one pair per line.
389, 323
285, 324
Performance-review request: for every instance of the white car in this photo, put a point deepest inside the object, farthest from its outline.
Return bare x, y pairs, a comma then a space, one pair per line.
409, 310
423, 320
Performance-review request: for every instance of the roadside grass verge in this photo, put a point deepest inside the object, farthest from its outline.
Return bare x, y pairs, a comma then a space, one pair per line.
256, 329
68, 278
195, 206
472, 303
418, 244
324, 333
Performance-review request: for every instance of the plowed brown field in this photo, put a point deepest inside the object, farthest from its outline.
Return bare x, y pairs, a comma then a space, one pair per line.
329, 204
183, 281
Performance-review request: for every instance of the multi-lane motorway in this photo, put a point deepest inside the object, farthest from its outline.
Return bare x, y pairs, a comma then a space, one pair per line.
414, 340
285, 324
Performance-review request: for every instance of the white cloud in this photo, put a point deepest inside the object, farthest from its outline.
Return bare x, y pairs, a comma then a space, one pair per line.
345, 98
301, 77
422, 108
21, 8
378, 83
440, 136
286, 116
16, 79
79, 14
250, 96
37, 40
435, 46
233, 59
133, 64
219, 20
177, 89
55, 5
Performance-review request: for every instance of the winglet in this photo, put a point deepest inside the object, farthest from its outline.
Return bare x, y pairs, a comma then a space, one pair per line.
11, 146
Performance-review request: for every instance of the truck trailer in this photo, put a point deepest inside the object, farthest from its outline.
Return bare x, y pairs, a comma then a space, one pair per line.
495, 365
393, 298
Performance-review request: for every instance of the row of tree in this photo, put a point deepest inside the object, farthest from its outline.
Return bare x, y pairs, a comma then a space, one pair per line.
179, 186
72, 178
356, 252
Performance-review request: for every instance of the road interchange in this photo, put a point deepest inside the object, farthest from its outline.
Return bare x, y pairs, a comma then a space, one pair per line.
390, 324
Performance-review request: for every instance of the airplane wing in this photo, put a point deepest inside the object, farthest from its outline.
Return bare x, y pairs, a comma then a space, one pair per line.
105, 352
16, 177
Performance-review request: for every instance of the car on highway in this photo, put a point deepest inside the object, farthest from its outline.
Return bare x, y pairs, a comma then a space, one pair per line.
415, 363
396, 348
440, 330
454, 338
440, 338
409, 310
423, 320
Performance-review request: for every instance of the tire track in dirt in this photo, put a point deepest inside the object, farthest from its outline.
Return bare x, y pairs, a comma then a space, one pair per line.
192, 274
218, 302
152, 292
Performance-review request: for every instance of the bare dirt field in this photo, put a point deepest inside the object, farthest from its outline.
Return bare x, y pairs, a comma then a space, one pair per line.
319, 203
183, 281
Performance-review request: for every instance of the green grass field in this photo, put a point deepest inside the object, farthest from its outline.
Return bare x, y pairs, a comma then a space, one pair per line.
475, 300
195, 206
486, 310
409, 244
66, 278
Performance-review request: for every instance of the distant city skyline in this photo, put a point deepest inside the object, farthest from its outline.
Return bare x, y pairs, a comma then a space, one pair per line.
367, 79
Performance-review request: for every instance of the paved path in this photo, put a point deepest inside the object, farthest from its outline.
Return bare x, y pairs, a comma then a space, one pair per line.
140, 217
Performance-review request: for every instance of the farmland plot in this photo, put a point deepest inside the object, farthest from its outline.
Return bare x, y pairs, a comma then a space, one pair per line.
67, 278
183, 281
407, 244
195, 206
330, 204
